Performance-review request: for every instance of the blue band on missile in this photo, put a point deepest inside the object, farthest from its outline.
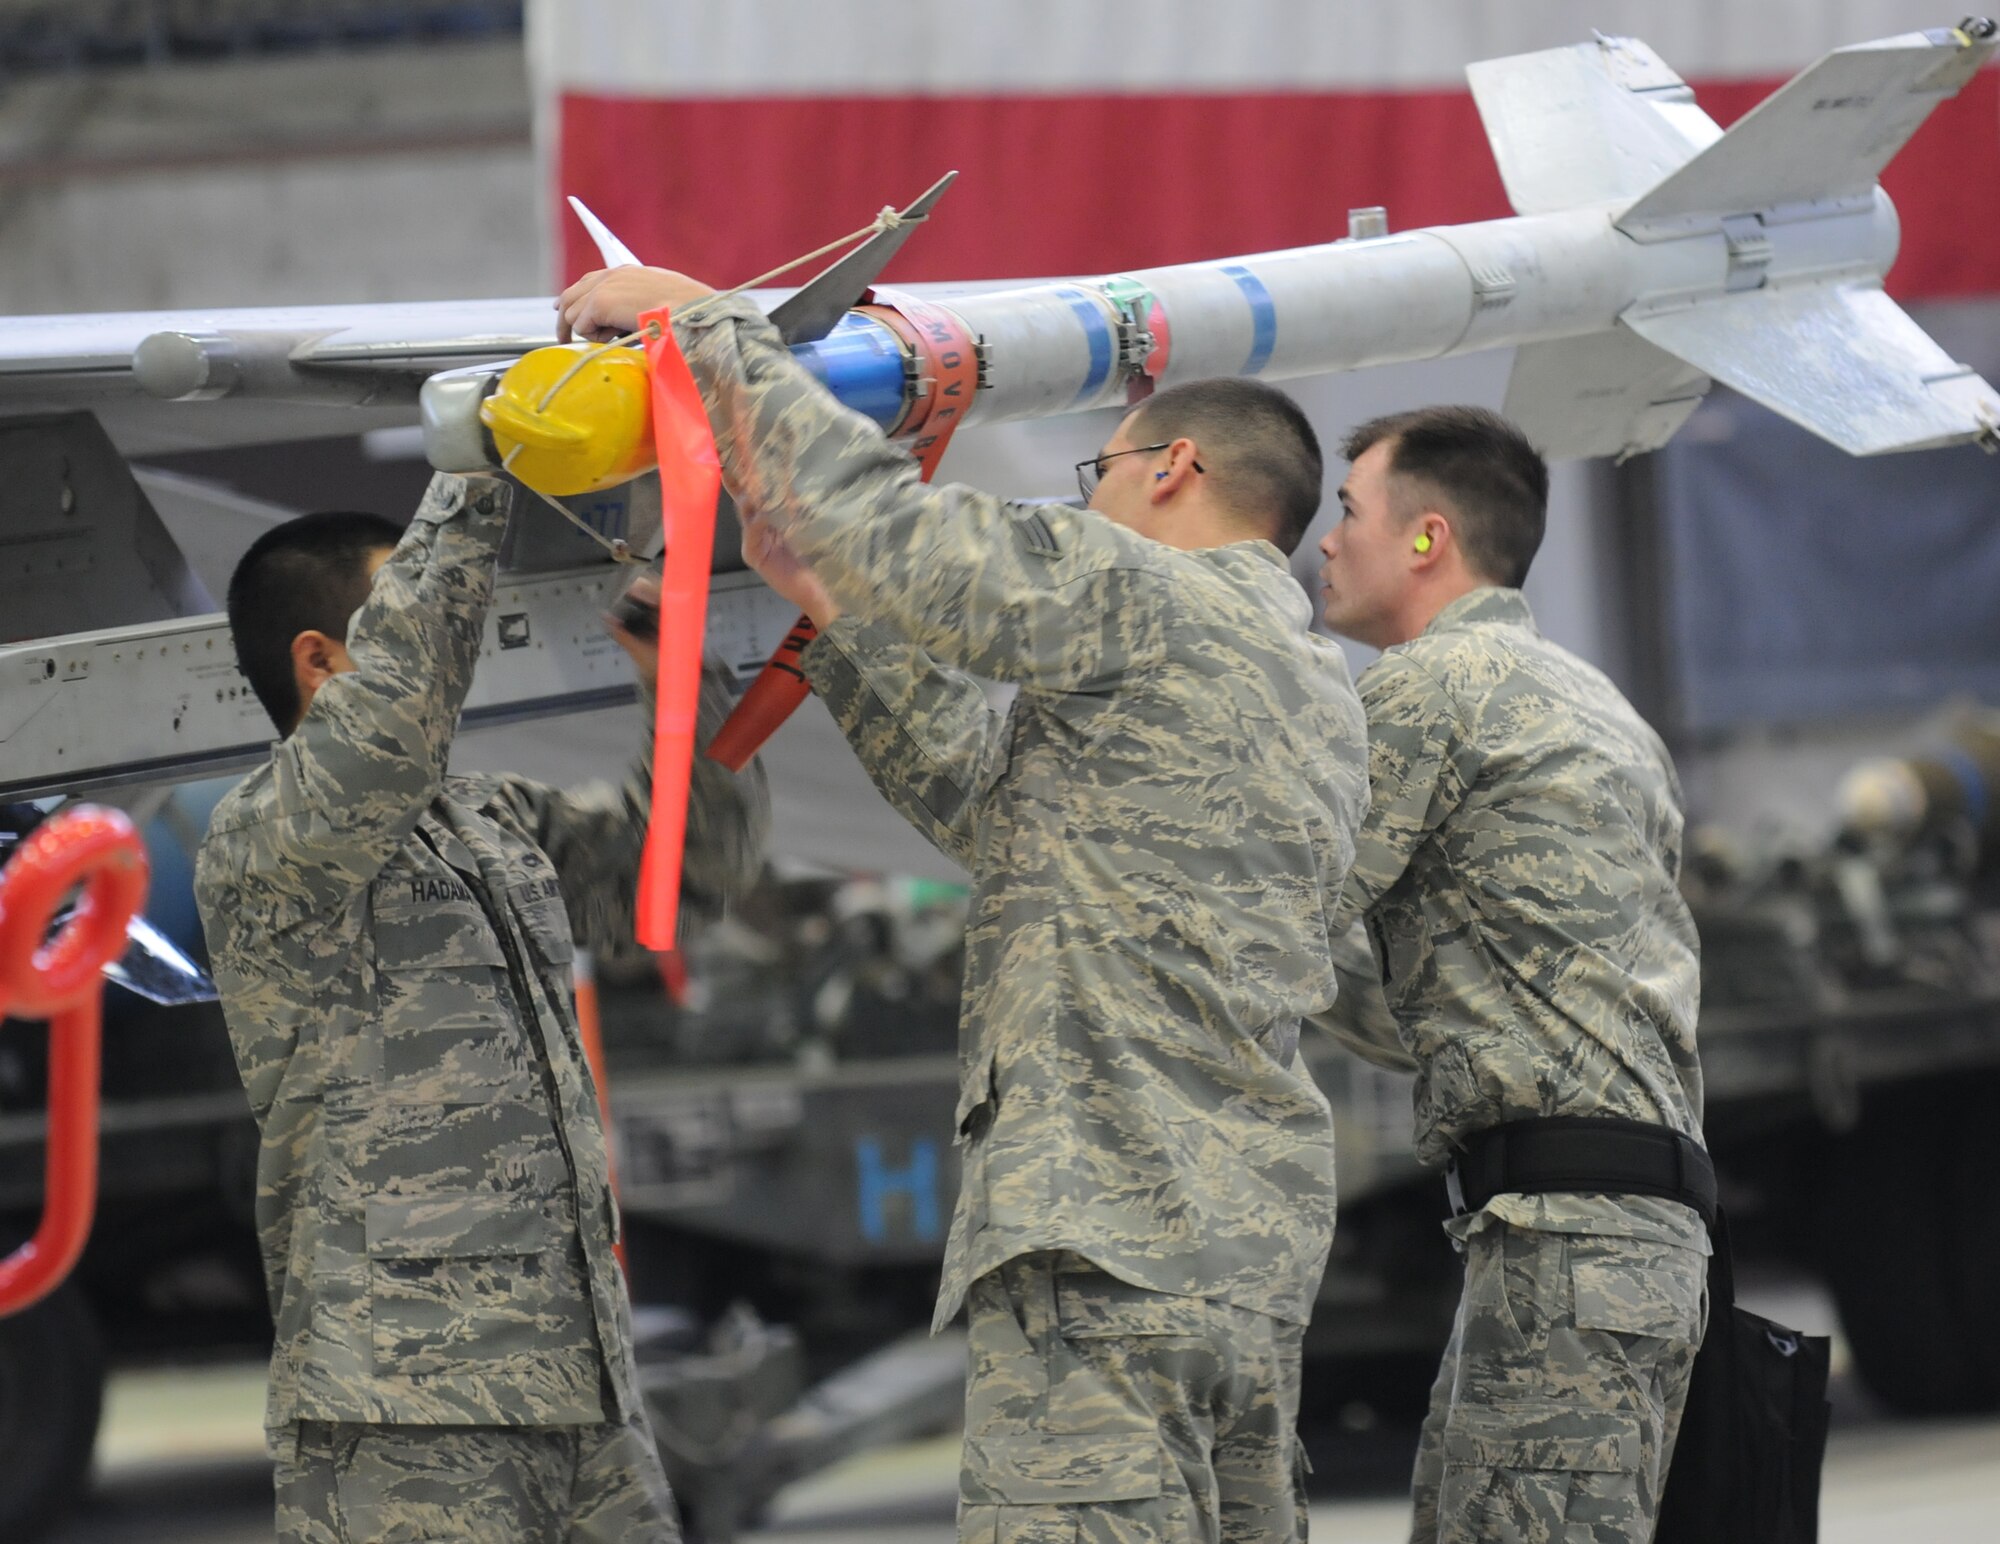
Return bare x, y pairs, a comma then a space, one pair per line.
1263, 317
1103, 346
861, 363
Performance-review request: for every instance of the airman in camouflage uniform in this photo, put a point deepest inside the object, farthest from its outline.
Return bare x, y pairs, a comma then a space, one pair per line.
393, 946
1517, 875
1156, 832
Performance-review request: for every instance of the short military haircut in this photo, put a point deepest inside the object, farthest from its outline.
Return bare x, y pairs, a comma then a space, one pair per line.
1495, 483
307, 575
1256, 448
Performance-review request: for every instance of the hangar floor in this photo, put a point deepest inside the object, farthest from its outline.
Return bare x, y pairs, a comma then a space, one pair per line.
180, 1462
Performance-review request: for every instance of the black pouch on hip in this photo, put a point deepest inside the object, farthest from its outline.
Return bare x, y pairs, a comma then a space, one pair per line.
1746, 1466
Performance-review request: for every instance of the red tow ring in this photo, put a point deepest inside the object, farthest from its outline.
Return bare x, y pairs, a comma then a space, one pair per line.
58, 980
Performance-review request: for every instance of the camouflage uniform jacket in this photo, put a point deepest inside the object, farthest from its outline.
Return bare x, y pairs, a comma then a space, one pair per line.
393, 952
1517, 873
1157, 833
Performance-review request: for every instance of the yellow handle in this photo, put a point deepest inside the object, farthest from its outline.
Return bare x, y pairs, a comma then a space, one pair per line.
526, 426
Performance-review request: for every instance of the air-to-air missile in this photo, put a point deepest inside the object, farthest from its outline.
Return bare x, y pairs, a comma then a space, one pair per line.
1652, 254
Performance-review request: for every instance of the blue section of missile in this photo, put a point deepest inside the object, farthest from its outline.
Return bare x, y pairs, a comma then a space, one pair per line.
1263, 317
1097, 332
861, 363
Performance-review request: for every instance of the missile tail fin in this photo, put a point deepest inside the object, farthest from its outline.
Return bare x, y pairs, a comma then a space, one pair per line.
1605, 394
1599, 122
1844, 361
1823, 138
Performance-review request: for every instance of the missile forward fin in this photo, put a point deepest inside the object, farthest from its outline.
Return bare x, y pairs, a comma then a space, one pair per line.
1822, 139
1595, 123
614, 252
1844, 361
1604, 394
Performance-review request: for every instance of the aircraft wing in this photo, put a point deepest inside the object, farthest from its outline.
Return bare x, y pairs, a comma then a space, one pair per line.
164, 381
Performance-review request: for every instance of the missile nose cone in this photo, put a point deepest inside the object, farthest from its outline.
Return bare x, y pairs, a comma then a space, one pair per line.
182, 367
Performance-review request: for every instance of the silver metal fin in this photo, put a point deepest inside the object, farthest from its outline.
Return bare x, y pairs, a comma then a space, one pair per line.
614, 252
1600, 122
1606, 394
1846, 362
1822, 139
809, 314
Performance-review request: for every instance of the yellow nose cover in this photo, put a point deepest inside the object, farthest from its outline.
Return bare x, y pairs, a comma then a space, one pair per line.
596, 432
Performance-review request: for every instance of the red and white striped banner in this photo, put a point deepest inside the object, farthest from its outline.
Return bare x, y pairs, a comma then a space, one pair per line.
1099, 135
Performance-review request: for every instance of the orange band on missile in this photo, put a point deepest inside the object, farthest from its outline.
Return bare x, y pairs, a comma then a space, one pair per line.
947, 357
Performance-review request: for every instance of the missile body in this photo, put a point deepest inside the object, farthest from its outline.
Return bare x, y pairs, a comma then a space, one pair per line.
1346, 305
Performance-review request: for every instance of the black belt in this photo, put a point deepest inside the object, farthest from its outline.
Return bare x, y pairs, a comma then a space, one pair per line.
1575, 1153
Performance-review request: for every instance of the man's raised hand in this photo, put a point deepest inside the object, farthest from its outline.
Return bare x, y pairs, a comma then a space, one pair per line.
606, 303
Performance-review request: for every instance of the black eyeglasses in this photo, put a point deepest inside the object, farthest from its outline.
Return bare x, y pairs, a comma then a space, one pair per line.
1089, 473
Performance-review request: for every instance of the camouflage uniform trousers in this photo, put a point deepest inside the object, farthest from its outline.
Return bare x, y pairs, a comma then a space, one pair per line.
341, 1483
1554, 1416
1102, 1413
